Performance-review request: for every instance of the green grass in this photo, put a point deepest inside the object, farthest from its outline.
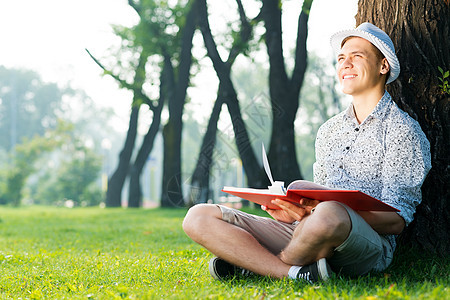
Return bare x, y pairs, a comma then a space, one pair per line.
93, 253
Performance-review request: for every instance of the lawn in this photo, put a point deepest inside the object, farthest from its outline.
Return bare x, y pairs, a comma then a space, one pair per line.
94, 253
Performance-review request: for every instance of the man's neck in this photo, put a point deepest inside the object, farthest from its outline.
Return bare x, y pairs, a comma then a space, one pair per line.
364, 104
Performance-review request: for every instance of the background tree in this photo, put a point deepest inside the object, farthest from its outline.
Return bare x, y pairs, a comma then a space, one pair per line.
28, 106
157, 36
420, 32
179, 77
72, 175
139, 44
135, 191
226, 95
117, 180
37, 120
23, 163
284, 90
284, 94
162, 43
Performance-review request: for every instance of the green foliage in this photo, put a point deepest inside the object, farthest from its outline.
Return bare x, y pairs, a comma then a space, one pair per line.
73, 178
62, 166
32, 129
28, 106
23, 160
157, 33
92, 253
445, 87
306, 7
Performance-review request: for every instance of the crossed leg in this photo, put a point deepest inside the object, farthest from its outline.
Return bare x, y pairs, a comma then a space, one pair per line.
315, 237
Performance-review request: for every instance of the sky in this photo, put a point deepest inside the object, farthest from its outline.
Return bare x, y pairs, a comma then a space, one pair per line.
50, 37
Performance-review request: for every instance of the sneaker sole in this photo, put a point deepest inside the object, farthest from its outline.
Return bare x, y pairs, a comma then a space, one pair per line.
322, 267
212, 268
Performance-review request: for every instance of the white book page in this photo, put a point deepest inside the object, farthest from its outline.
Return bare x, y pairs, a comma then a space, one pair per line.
251, 191
306, 185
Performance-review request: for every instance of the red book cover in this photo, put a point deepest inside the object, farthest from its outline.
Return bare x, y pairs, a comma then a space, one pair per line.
299, 189
357, 200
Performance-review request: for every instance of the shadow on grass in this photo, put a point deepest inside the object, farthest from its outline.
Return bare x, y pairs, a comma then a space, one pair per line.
418, 266
412, 274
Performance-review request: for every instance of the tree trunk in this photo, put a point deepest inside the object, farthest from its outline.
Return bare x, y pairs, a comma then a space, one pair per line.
228, 94
117, 180
172, 193
253, 170
200, 178
420, 32
284, 91
135, 191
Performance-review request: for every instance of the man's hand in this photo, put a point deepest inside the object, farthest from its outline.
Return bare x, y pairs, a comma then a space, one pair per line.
308, 204
289, 211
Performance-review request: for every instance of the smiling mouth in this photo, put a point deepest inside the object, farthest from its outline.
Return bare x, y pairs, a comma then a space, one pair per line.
349, 76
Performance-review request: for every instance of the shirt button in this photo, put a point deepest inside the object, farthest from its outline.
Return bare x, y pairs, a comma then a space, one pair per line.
347, 148
356, 129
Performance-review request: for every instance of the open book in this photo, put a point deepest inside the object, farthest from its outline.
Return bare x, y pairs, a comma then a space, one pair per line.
297, 190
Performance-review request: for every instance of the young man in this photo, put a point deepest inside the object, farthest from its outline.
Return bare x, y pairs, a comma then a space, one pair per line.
373, 146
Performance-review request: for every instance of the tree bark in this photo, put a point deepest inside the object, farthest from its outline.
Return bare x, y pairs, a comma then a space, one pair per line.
226, 94
199, 190
172, 193
117, 179
284, 91
420, 32
135, 191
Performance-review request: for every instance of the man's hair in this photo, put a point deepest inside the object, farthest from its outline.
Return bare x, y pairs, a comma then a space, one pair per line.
377, 52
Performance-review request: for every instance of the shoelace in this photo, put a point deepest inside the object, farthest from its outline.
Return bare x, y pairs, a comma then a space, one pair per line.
245, 272
306, 276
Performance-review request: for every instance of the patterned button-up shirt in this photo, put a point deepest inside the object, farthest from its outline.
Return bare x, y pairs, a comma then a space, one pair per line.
387, 156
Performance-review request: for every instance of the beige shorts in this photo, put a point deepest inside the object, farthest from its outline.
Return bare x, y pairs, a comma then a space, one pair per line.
364, 249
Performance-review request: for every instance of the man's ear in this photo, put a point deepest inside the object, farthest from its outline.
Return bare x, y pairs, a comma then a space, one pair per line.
384, 66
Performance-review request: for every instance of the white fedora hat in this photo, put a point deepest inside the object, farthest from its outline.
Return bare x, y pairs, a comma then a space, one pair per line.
378, 38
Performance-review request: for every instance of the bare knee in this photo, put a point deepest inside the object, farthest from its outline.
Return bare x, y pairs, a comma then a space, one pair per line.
331, 222
197, 218
318, 235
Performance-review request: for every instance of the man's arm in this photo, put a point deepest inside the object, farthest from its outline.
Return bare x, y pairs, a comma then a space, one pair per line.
383, 222
407, 160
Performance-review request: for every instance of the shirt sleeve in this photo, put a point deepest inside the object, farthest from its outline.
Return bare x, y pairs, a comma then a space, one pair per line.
407, 162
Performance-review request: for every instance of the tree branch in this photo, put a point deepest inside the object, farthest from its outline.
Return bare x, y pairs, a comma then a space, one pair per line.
123, 83
245, 34
208, 39
300, 50
137, 7
110, 73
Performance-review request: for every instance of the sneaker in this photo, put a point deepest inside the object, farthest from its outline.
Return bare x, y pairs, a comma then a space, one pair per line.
317, 271
221, 269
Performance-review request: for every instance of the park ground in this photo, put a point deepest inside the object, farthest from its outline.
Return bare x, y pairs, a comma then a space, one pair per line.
95, 253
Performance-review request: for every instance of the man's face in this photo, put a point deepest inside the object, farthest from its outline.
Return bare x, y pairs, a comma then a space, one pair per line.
358, 68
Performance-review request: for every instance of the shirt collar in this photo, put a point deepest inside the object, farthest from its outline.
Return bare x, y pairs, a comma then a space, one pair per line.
378, 112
